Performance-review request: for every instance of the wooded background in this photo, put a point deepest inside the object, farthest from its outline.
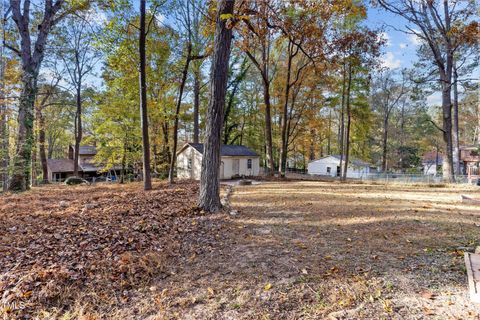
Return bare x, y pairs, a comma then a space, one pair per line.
305, 79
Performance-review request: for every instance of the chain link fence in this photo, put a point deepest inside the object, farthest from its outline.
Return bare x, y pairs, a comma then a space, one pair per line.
385, 177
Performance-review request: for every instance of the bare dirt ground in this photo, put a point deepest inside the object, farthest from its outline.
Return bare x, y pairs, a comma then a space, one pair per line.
295, 250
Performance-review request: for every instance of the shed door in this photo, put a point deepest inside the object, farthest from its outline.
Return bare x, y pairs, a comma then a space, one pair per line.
236, 166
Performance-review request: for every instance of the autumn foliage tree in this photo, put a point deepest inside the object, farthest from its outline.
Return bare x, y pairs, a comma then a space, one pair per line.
444, 26
31, 53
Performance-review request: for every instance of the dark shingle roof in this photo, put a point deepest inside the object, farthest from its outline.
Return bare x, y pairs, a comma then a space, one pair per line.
228, 150
60, 165
87, 150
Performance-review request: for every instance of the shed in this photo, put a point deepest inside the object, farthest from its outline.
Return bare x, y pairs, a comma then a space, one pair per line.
236, 161
330, 166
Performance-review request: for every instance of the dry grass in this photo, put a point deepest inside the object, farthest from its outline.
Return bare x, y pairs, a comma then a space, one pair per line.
363, 250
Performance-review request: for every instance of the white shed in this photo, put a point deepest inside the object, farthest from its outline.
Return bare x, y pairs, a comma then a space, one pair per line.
330, 166
432, 162
236, 161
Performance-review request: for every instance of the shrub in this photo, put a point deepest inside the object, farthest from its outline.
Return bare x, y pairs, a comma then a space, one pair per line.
74, 180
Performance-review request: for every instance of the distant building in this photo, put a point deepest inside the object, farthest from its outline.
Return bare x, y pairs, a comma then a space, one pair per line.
470, 160
432, 162
236, 161
61, 169
330, 166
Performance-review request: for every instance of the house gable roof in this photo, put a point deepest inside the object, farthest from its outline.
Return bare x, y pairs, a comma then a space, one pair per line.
225, 150
87, 150
60, 165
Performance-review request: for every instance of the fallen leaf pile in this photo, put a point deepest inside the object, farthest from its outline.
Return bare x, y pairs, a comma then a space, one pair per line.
59, 242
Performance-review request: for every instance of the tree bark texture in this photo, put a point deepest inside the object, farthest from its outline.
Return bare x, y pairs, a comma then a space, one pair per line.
78, 128
342, 121
456, 127
31, 62
282, 167
22, 162
196, 106
147, 180
4, 147
209, 199
42, 145
349, 121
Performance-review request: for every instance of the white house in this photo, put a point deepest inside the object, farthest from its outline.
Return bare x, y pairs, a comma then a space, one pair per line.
236, 161
330, 166
432, 162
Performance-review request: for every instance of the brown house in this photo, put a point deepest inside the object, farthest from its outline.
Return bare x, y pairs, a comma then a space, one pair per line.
60, 169
470, 159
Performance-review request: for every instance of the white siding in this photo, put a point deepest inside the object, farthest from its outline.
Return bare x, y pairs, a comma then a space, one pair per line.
320, 167
254, 170
243, 166
183, 172
226, 168
429, 169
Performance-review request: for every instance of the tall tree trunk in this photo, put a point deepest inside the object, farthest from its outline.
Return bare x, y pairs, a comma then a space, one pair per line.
31, 63
342, 120
173, 159
20, 180
456, 129
196, 106
4, 133
329, 141
124, 161
446, 80
147, 180
284, 135
209, 199
349, 121
42, 145
78, 129
268, 128
4, 146
165, 143
311, 155
385, 141
34, 160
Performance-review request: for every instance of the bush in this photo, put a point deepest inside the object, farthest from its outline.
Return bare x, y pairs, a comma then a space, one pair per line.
75, 180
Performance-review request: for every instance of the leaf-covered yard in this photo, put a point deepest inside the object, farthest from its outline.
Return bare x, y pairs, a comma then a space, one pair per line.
308, 250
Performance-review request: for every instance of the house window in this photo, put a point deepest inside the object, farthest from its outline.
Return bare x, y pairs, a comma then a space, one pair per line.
249, 164
189, 164
329, 170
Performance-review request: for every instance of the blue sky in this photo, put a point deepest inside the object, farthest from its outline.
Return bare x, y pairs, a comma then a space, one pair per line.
400, 49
